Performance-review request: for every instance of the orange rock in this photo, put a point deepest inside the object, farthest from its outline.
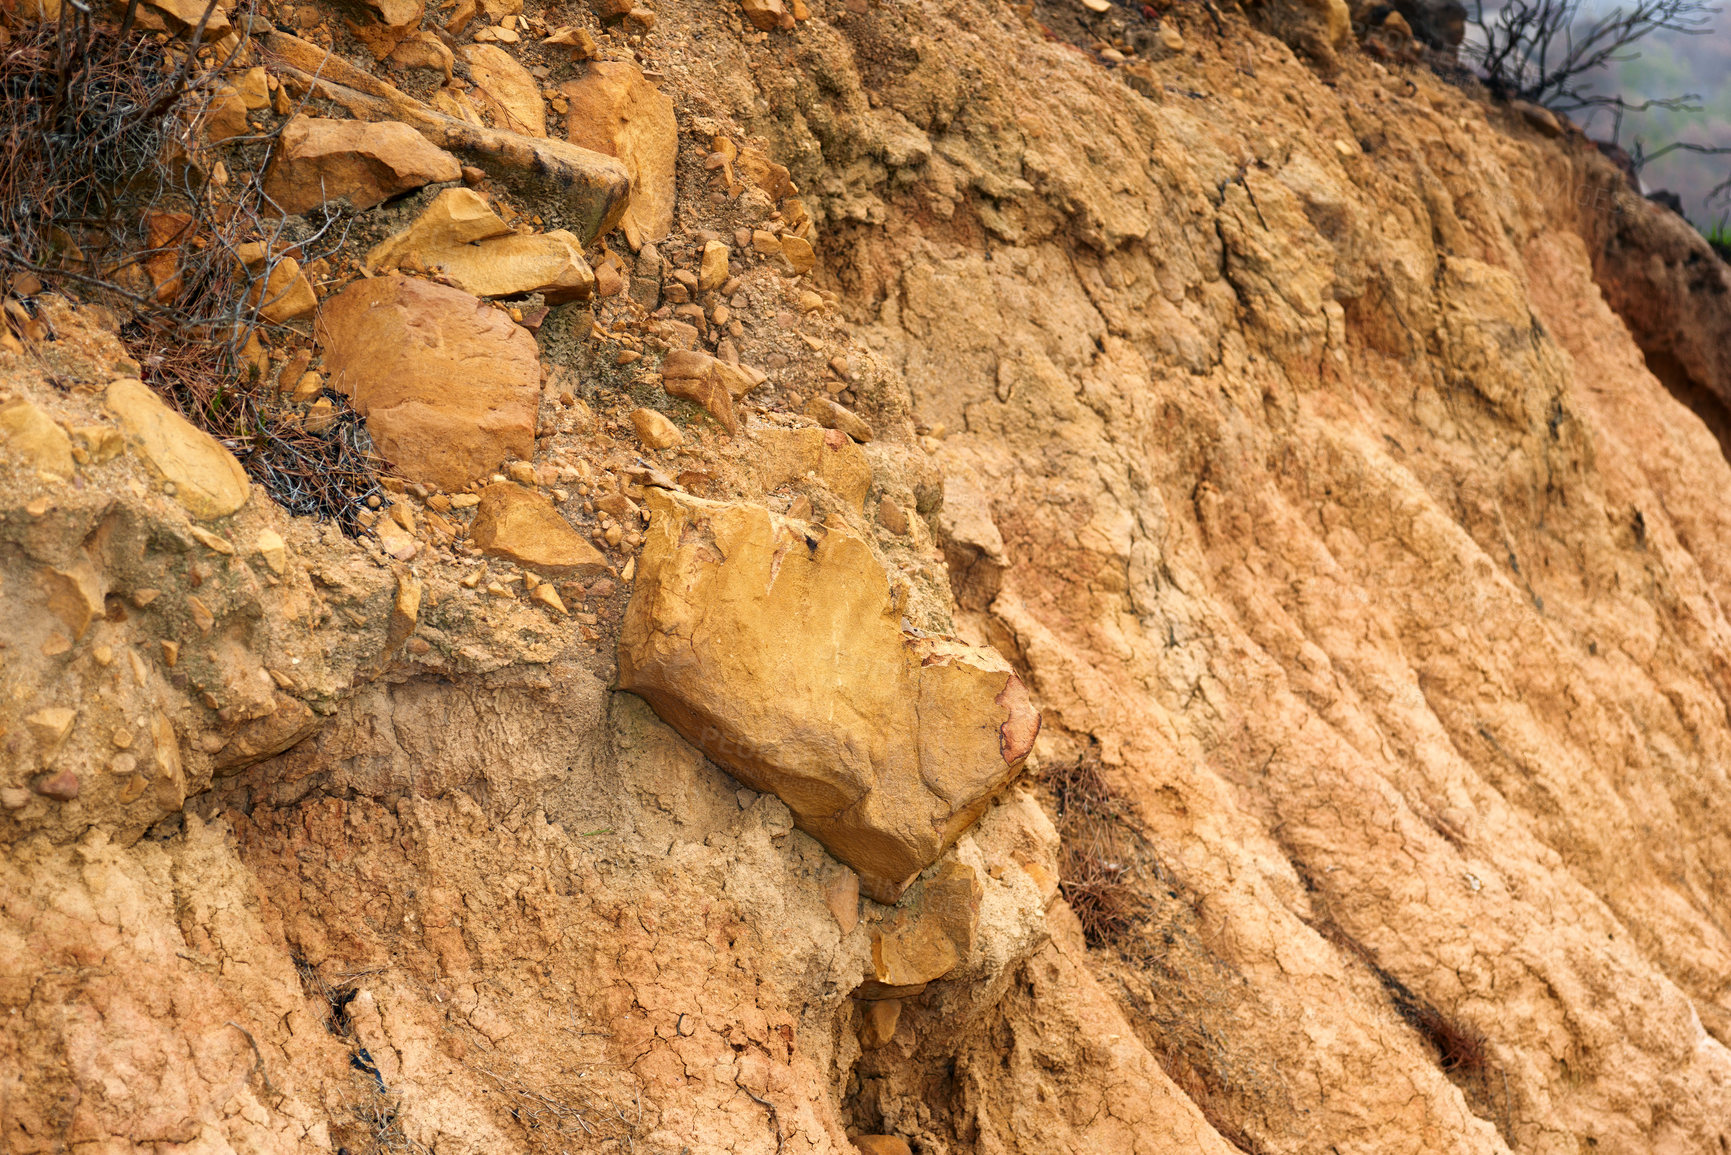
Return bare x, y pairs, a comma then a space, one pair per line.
505, 85
655, 430
207, 479
423, 50
798, 252
285, 293
253, 85
932, 931
786, 456
616, 111
705, 388
842, 898
783, 657
765, 15
878, 1023
178, 16
712, 271
31, 438
357, 161
387, 24
457, 216
579, 42
449, 386
225, 116
838, 417
522, 526
881, 1145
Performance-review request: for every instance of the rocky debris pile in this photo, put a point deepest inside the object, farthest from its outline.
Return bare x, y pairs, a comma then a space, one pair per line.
781, 651
133, 552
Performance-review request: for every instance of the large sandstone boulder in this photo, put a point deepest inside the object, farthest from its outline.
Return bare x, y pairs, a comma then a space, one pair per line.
781, 654
616, 111
448, 385
361, 162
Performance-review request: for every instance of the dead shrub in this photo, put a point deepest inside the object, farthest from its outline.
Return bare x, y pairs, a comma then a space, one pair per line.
112, 193
1095, 862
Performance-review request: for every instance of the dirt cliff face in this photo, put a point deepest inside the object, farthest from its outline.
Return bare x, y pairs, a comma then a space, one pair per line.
1330, 455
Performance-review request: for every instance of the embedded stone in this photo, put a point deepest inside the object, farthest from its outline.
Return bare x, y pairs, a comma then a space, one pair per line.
207, 479
781, 654
32, 439
832, 416
932, 931
522, 526
712, 272
655, 430
788, 456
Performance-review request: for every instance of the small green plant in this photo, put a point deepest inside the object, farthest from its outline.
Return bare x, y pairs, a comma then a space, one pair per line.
1718, 235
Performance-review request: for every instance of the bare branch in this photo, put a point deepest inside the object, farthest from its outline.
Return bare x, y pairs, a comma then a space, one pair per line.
1548, 52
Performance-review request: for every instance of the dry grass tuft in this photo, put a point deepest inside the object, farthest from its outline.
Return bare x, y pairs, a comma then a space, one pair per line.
1095, 864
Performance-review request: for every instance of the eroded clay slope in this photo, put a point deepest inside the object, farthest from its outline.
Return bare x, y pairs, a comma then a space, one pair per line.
1264, 412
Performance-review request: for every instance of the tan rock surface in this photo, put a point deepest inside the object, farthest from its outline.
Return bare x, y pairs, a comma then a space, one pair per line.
765, 15
522, 526
457, 216
34, 441
655, 430
615, 111
1332, 458
180, 16
448, 385
838, 417
359, 162
931, 932
713, 269
691, 365
424, 49
459, 237
787, 456
697, 377
205, 477
884, 744
551, 264
280, 294
508, 89
225, 115
385, 23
